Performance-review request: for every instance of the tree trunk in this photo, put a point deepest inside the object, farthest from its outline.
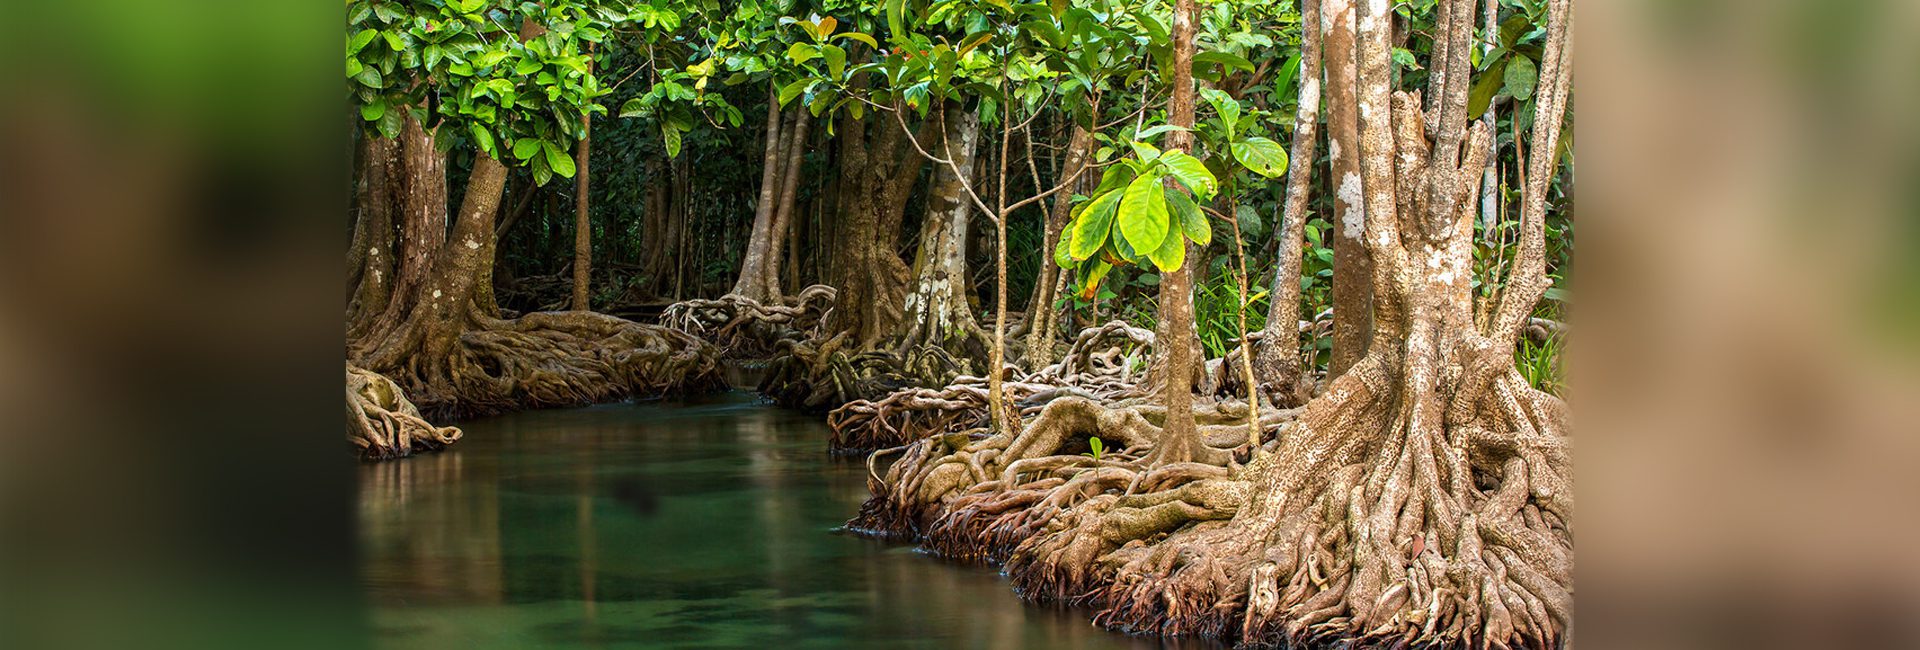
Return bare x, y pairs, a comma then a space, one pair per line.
582, 226
1043, 320
370, 260
1352, 267
938, 311
1179, 346
1286, 380
752, 282
783, 209
1424, 500
879, 170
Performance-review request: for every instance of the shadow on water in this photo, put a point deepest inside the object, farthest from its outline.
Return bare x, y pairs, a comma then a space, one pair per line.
697, 524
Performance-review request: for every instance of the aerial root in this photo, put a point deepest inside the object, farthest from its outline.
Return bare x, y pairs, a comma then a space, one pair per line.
742, 327
1396, 547
382, 423
555, 359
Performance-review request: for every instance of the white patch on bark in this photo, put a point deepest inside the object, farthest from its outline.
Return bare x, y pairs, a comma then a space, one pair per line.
472, 245
436, 294
1334, 150
1310, 96
375, 251
376, 276
1353, 219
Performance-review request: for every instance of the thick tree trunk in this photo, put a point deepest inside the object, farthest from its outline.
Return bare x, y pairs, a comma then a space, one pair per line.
582, 225
1286, 380
752, 281
1043, 321
1179, 346
783, 209
938, 310
1352, 269
1425, 499
879, 171
370, 258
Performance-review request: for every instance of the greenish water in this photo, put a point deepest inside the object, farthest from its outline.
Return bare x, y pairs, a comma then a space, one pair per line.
703, 524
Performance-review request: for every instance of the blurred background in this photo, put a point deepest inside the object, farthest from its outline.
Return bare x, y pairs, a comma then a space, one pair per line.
174, 181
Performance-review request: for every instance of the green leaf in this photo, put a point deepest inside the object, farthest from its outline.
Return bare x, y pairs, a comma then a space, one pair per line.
558, 160
1114, 178
859, 37
370, 77
482, 138
1203, 59
359, 41
526, 66
836, 60
1193, 222
671, 136
469, 6
526, 148
1171, 253
1146, 152
1225, 105
1143, 213
800, 53
896, 20
372, 112
1090, 281
1192, 173
1062, 254
793, 90
1520, 77
1481, 95
1090, 230
1265, 157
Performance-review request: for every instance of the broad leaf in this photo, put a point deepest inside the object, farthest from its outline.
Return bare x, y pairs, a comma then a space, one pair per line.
1192, 173
1192, 221
1171, 253
1091, 228
359, 41
1520, 77
1484, 88
558, 160
483, 139
1265, 157
526, 148
1143, 213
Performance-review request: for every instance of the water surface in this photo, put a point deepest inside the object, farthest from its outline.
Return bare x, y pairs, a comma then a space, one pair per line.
701, 524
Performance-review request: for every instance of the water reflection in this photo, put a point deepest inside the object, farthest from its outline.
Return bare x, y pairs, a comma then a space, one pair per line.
703, 524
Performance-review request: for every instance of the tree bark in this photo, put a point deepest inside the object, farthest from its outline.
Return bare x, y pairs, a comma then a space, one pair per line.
1179, 346
879, 170
370, 260
752, 283
1285, 377
582, 225
1352, 266
938, 310
783, 210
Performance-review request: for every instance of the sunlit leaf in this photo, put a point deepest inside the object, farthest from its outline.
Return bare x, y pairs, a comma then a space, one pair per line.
1143, 213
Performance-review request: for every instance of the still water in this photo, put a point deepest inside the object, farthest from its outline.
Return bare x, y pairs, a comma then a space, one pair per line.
698, 524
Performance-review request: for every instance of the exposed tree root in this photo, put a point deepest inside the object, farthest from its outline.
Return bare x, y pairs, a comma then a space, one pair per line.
821, 375
1359, 529
1103, 363
383, 424
742, 327
550, 359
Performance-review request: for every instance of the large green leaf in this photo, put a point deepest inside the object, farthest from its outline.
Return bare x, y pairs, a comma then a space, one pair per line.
1265, 157
1192, 221
359, 41
1520, 77
1143, 213
1062, 253
483, 139
526, 148
836, 60
1090, 280
1171, 253
1091, 228
1193, 173
1228, 59
1115, 177
1484, 88
558, 160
